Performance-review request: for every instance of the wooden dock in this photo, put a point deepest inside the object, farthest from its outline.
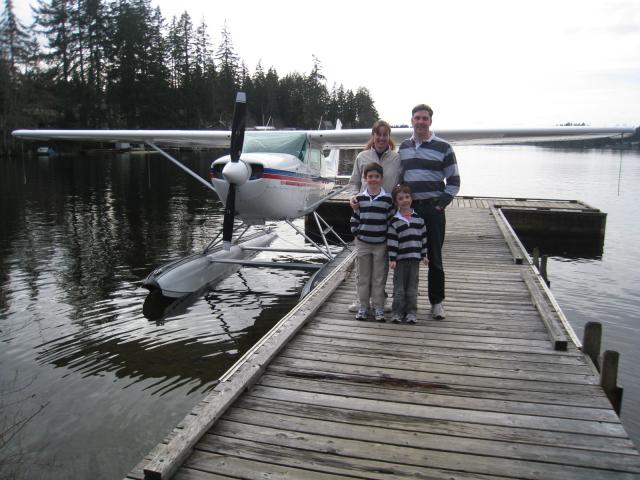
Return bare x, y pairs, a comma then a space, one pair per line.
558, 219
500, 389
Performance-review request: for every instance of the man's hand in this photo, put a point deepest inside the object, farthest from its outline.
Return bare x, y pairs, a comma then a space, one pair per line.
425, 261
392, 264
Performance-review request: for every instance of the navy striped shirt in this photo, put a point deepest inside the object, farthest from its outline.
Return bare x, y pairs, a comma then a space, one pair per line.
369, 222
406, 240
427, 166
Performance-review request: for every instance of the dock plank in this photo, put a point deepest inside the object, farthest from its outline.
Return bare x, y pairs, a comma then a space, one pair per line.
392, 434
410, 455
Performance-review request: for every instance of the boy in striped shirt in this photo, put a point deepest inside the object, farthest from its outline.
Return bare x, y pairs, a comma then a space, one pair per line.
407, 245
369, 225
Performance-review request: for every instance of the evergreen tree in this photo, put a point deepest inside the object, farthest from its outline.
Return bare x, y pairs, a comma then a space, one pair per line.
15, 42
131, 36
155, 95
183, 46
227, 79
91, 37
349, 111
203, 79
337, 105
316, 97
271, 82
183, 49
17, 65
290, 100
258, 96
53, 20
366, 113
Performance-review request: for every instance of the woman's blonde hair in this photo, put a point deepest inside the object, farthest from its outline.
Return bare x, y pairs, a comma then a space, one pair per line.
376, 126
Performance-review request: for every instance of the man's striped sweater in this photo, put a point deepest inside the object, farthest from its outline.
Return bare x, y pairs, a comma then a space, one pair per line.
430, 169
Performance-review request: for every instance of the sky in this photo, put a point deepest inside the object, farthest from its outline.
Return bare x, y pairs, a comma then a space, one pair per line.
477, 63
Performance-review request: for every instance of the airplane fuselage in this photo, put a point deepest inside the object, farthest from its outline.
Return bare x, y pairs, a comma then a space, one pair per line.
288, 175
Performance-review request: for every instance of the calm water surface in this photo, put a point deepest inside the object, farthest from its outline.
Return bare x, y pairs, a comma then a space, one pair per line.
106, 384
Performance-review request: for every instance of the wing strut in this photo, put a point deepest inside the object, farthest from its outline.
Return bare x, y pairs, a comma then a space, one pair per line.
181, 166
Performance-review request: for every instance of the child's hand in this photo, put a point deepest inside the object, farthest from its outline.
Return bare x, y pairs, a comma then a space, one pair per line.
353, 202
392, 264
425, 261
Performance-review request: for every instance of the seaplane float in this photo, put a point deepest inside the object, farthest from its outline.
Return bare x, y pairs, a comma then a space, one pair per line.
272, 175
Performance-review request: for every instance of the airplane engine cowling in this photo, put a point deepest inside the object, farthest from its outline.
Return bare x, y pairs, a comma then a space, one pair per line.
236, 172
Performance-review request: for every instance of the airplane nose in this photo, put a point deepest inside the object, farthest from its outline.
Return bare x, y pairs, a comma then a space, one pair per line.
236, 172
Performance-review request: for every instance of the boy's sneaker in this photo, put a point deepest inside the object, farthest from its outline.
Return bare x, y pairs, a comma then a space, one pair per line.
411, 318
362, 314
437, 311
396, 318
355, 306
379, 314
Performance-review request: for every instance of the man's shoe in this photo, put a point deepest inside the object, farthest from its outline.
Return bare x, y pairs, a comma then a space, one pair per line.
355, 306
379, 315
411, 318
362, 314
437, 311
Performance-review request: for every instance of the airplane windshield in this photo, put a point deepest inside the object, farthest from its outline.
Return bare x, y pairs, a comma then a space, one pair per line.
293, 143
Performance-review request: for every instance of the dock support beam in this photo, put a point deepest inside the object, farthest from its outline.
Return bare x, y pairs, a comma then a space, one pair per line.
591, 342
541, 264
607, 365
609, 379
543, 269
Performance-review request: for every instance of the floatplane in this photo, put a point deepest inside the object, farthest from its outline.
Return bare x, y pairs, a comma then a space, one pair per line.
272, 175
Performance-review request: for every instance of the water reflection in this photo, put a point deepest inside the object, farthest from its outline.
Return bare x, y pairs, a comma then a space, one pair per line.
565, 247
80, 234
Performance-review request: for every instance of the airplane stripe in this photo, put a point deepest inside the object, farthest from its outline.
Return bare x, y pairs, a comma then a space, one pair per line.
292, 179
303, 178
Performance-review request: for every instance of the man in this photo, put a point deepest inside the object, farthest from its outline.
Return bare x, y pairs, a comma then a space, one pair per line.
430, 169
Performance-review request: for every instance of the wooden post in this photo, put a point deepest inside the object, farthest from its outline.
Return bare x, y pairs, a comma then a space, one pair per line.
591, 342
536, 258
543, 269
609, 379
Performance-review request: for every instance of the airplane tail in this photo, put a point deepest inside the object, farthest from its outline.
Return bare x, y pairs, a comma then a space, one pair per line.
331, 161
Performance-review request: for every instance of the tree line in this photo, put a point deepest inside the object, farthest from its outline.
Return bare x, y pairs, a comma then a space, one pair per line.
121, 64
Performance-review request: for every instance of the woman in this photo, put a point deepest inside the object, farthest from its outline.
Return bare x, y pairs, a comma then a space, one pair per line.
380, 149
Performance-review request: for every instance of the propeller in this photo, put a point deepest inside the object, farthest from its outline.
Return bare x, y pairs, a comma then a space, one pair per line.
236, 172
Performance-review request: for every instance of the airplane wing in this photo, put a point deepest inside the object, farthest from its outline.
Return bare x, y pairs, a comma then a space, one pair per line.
357, 138
348, 138
203, 138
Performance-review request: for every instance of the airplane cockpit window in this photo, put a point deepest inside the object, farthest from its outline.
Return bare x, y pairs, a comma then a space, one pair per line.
293, 143
314, 159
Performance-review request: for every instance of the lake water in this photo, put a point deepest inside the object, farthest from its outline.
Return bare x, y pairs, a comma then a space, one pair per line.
106, 384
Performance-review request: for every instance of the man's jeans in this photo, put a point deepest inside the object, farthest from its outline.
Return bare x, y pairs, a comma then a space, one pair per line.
436, 222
